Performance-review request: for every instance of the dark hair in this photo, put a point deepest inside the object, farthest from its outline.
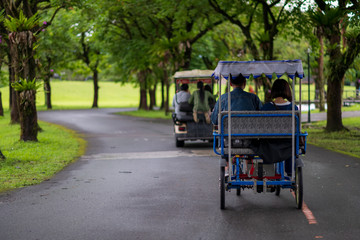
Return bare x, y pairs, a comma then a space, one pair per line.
184, 87
281, 88
200, 86
208, 88
238, 81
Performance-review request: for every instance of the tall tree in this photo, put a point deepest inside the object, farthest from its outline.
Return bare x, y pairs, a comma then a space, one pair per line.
343, 14
22, 26
52, 53
22, 40
260, 22
166, 32
89, 35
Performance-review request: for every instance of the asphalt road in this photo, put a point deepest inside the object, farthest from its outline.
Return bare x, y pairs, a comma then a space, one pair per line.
133, 183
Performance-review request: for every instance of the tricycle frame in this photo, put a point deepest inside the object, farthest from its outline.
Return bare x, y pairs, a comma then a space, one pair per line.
238, 179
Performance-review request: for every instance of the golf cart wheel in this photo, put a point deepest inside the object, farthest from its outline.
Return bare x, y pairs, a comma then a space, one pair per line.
277, 190
238, 191
222, 187
299, 187
179, 143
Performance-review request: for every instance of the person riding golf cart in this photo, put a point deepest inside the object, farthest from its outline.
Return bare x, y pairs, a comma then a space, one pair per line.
185, 128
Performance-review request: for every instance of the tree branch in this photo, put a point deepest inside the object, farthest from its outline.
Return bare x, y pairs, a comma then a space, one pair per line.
127, 29
203, 32
274, 3
51, 19
252, 15
321, 4
232, 19
355, 3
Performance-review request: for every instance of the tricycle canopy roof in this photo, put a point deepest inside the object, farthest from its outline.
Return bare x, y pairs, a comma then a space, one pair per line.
193, 76
256, 68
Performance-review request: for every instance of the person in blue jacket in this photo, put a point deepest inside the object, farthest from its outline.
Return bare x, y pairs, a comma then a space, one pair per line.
240, 100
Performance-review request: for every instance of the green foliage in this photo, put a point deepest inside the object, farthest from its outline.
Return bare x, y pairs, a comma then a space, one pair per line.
2, 17
22, 23
24, 84
4, 78
353, 73
353, 32
328, 17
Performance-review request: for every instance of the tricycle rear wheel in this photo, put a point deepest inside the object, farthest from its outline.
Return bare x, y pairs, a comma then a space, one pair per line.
299, 187
277, 190
222, 187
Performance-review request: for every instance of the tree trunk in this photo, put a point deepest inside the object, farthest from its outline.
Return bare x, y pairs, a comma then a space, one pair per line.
24, 67
162, 95
251, 44
167, 85
11, 76
319, 81
96, 88
187, 56
28, 116
47, 89
14, 62
143, 100
143, 91
1, 106
152, 97
334, 116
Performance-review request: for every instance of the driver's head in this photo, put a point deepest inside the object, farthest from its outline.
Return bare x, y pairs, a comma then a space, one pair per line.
184, 87
200, 85
239, 81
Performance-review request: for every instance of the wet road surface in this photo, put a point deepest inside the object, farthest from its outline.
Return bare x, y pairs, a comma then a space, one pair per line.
133, 183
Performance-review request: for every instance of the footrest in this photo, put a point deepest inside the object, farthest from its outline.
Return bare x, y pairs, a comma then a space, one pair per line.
240, 151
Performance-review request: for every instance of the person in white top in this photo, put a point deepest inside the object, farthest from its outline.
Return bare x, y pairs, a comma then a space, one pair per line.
182, 96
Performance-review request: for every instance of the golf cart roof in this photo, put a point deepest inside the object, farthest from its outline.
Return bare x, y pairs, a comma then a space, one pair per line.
196, 73
192, 76
256, 68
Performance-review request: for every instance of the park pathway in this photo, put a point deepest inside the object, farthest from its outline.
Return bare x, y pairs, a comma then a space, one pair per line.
322, 116
133, 183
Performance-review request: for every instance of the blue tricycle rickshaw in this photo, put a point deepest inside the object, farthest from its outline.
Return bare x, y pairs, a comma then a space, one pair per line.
247, 170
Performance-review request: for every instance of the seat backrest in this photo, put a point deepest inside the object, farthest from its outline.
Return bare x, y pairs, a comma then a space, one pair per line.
259, 124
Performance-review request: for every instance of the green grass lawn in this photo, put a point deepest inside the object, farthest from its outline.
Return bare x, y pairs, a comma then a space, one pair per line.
79, 94
155, 114
346, 141
30, 163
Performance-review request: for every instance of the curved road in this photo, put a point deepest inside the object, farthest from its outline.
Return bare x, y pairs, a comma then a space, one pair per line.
133, 183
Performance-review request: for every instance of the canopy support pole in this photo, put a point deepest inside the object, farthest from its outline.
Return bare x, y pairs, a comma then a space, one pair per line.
229, 127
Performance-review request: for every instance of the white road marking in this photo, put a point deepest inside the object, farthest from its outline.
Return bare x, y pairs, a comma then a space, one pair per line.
143, 155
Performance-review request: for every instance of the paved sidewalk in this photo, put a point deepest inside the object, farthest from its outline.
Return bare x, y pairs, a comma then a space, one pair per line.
322, 116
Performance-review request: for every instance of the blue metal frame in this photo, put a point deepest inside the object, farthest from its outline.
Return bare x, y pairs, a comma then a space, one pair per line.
222, 135
235, 181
